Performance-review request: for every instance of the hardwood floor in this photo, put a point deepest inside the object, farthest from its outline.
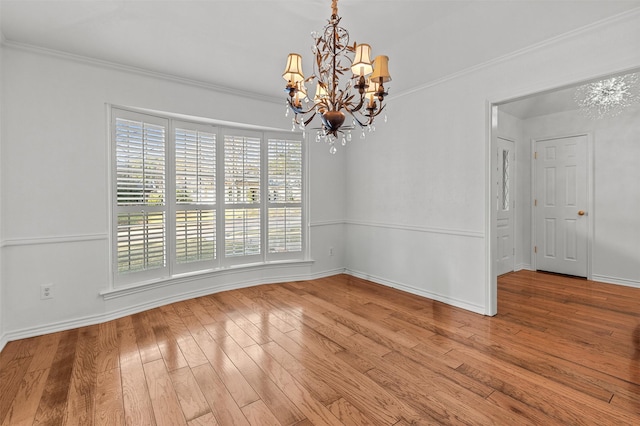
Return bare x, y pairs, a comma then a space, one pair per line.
341, 350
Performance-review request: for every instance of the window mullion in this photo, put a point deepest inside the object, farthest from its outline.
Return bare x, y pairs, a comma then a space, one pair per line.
220, 198
264, 201
171, 197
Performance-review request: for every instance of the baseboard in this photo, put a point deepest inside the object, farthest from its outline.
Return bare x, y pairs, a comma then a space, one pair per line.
130, 310
3, 341
419, 292
615, 280
523, 266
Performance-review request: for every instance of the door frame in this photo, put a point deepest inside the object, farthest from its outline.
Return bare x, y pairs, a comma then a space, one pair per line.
590, 195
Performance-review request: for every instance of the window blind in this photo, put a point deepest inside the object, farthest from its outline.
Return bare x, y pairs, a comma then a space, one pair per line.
195, 195
284, 195
140, 157
140, 195
243, 225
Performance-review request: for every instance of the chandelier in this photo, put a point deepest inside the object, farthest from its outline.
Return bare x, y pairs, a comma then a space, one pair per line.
344, 86
608, 97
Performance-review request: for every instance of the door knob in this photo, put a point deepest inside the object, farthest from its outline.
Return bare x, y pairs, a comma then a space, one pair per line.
581, 213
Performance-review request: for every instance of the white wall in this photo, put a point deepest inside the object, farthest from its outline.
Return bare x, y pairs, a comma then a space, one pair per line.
616, 239
55, 179
418, 190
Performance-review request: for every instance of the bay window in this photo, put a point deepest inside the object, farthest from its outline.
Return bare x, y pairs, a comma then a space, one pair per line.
193, 197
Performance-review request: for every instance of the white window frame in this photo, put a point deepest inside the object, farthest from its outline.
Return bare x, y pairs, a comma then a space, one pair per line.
177, 267
172, 268
132, 209
228, 206
288, 204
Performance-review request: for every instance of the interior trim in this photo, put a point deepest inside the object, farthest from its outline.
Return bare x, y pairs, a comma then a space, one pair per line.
54, 239
140, 71
430, 230
327, 223
615, 280
419, 292
140, 307
116, 292
612, 20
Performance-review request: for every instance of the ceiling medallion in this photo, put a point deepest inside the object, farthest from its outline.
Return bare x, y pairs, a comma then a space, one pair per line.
344, 86
608, 97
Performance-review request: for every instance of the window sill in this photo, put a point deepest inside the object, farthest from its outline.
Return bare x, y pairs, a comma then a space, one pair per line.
141, 287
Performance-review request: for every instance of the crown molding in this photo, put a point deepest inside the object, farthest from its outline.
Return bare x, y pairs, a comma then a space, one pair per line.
612, 20
136, 70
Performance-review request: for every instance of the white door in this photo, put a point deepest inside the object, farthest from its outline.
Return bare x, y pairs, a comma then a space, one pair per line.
560, 205
505, 249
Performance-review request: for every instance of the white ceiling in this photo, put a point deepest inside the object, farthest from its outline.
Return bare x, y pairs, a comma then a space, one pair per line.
542, 104
242, 45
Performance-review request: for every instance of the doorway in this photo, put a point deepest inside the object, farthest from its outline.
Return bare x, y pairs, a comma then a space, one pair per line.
611, 252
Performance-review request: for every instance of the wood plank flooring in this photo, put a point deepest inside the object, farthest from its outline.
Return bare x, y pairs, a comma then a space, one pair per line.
341, 351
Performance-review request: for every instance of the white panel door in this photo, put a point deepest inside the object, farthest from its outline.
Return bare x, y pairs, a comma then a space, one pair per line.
561, 205
505, 249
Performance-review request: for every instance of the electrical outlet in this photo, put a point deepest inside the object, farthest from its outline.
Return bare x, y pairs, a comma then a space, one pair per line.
46, 291
330, 251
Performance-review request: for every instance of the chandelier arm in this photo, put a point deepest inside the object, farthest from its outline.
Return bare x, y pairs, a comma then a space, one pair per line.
372, 114
360, 104
355, 117
306, 123
360, 123
298, 110
377, 113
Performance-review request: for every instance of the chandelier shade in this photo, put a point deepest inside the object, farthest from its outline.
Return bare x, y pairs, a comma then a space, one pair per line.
321, 93
293, 72
362, 62
381, 70
349, 90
